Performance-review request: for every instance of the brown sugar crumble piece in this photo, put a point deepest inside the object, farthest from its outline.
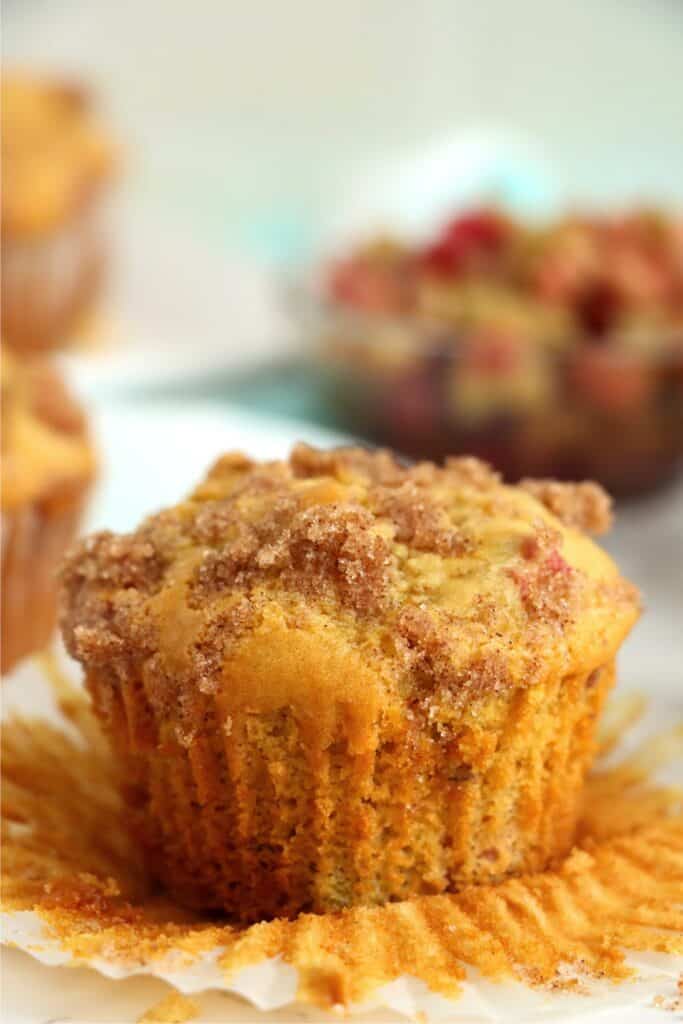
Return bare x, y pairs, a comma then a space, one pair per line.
419, 520
127, 560
429, 643
548, 585
549, 591
320, 546
215, 639
584, 506
379, 466
467, 471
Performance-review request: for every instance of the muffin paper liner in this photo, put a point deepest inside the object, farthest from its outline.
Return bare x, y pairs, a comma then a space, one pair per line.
219, 823
603, 929
49, 283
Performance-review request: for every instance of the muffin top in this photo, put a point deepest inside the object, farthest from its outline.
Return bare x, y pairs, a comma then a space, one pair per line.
45, 446
345, 577
53, 155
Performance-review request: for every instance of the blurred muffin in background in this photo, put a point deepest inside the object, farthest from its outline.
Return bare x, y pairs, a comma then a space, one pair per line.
549, 350
57, 164
48, 464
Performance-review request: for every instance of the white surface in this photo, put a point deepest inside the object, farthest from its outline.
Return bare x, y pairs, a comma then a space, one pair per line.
153, 456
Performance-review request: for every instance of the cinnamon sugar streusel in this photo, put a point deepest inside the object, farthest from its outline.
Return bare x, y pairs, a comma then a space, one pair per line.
586, 505
343, 680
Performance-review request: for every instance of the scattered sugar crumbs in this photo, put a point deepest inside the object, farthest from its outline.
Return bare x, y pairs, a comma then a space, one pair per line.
68, 857
173, 1009
672, 1004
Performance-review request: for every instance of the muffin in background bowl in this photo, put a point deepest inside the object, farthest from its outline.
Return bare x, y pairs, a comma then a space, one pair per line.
57, 164
546, 349
338, 681
48, 464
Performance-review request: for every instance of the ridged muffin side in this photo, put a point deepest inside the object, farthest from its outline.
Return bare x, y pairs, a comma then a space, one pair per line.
337, 681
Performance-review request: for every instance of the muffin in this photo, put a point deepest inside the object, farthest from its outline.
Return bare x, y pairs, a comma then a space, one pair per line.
47, 466
56, 166
335, 680
548, 349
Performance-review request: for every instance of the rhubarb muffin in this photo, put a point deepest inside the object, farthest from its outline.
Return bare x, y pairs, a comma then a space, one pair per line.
549, 349
56, 164
336, 680
47, 466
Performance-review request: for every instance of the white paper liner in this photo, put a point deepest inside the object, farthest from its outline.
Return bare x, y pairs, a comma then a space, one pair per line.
272, 984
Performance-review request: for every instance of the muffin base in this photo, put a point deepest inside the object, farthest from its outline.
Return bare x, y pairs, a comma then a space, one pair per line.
251, 817
49, 284
34, 538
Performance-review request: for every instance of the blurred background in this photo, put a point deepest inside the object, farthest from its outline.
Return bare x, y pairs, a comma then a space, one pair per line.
261, 144
247, 122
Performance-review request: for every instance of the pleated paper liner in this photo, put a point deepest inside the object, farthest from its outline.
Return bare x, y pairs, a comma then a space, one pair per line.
574, 931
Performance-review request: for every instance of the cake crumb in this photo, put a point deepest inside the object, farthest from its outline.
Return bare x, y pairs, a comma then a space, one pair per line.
672, 1004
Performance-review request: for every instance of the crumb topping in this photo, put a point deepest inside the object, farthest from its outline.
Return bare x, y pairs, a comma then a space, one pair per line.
549, 590
121, 561
466, 470
221, 632
443, 577
430, 642
310, 550
378, 466
584, 506
419, 520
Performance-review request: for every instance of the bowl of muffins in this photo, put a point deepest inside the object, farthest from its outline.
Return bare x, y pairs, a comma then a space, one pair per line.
549, 349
